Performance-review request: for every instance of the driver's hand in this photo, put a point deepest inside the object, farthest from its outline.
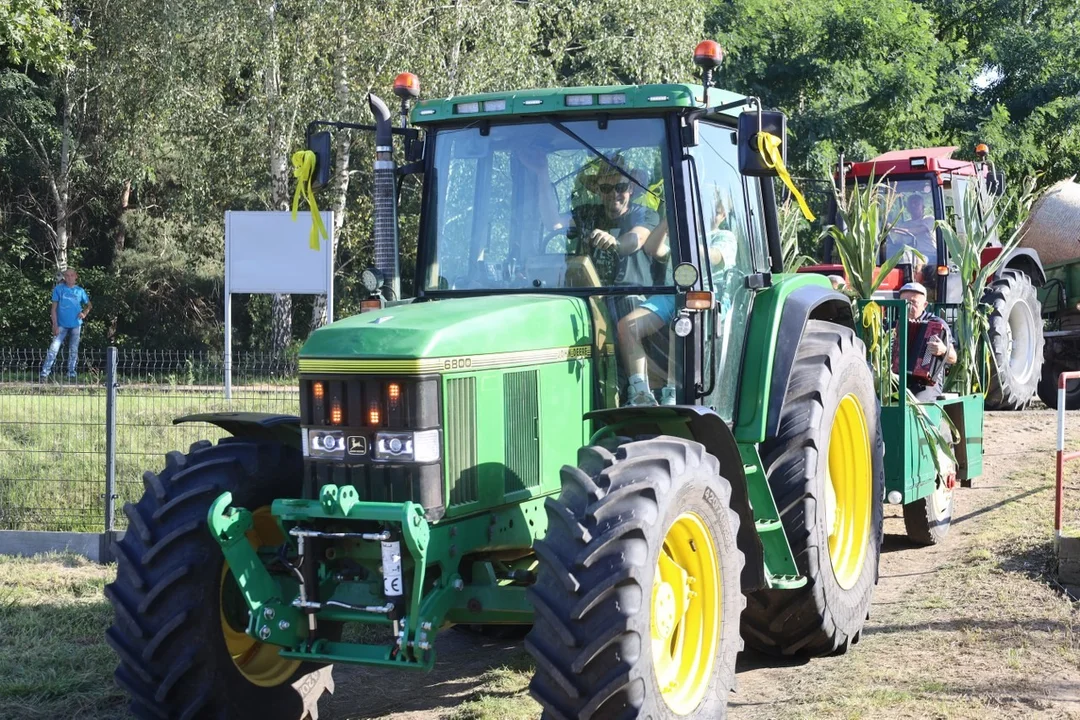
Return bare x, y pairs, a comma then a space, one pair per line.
603, 240
937, 348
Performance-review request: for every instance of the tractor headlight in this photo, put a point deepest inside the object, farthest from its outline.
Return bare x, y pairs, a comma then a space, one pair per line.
421, 447
325, 444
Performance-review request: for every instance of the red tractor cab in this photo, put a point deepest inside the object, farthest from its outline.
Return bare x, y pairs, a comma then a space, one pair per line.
931, 185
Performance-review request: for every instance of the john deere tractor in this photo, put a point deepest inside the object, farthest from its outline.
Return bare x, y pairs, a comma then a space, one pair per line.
604, 412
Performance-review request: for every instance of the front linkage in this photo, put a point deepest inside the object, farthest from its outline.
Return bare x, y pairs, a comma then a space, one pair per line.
377, 564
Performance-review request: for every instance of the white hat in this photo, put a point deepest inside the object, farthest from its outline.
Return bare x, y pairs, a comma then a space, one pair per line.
914, 287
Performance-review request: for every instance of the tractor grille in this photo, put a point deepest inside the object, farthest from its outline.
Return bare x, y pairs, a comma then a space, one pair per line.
521, 434
460, 433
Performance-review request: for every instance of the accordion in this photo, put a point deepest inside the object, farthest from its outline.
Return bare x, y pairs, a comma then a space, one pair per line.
926, 368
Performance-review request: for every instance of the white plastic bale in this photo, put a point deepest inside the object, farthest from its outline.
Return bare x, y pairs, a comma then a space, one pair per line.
1053, 228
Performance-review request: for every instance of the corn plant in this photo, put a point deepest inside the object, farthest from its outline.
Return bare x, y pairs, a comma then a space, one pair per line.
791, 222
980, 222
866, 213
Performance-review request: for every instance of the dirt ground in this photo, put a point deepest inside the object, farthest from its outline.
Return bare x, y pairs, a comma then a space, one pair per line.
973, 628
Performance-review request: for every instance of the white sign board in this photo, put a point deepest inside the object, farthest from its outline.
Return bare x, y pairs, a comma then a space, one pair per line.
267, 252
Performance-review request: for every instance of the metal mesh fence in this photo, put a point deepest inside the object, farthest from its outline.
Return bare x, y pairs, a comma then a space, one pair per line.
53, 432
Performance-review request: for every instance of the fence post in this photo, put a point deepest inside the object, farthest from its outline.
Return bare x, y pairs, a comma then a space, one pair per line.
110, 439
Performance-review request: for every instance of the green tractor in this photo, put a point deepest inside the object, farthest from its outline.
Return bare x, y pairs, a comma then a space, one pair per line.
605, 413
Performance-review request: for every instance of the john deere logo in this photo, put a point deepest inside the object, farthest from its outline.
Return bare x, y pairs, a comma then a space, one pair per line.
357, 445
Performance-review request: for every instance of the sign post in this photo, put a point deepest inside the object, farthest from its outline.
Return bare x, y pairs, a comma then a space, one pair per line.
267, 252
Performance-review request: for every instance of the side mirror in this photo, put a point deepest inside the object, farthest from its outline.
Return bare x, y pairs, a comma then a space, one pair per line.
750, 161
319, 143
995, 182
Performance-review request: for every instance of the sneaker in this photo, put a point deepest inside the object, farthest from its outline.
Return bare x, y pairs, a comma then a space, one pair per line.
667, 395
641, 396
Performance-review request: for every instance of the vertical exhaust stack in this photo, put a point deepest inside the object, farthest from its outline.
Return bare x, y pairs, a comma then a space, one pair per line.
386, 225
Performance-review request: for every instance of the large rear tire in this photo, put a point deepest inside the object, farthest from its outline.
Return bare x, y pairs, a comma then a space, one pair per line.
825, 470
1048, 388
638, 593
179, 618
1016, 340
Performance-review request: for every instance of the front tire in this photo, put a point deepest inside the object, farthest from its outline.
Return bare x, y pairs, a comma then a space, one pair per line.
1016, 340
179, 618
826, 474
638, 594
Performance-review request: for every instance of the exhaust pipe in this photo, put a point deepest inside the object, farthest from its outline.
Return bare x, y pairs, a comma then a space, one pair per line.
386, 225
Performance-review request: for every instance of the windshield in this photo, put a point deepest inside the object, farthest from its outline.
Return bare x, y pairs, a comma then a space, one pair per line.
549, 205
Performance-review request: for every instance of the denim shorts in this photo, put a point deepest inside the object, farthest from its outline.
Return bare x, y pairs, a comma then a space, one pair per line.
663, 306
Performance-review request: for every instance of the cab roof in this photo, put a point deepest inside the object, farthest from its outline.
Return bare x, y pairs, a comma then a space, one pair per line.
615, 99
937, 160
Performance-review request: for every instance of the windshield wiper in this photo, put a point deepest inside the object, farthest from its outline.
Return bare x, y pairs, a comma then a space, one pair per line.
570, 133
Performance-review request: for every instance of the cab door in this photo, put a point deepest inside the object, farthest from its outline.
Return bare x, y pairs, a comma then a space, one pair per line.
731, 249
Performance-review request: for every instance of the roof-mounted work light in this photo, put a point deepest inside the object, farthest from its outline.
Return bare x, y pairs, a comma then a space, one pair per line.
708, 55
406, 87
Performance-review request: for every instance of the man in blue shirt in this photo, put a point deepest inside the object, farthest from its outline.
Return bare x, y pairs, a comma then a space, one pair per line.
67, 318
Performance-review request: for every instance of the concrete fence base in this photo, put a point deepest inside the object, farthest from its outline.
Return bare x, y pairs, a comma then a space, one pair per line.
94, 546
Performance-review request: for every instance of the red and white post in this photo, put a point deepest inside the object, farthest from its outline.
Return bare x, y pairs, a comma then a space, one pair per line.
1062, 456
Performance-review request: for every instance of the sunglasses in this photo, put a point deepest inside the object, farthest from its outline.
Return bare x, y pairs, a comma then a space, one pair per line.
618, 187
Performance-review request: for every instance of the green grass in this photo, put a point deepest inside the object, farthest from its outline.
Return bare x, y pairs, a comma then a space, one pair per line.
504, 695
54, 662
52, 447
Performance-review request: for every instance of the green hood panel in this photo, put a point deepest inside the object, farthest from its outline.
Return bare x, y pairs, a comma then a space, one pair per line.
463, 326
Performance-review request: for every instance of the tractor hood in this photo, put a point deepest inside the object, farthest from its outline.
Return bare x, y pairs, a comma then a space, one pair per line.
453, 328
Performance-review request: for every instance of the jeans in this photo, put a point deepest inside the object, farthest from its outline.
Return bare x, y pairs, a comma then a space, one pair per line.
70, 334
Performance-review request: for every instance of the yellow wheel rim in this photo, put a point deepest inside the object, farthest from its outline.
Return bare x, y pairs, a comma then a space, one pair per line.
686, 617
260, 663
848, 492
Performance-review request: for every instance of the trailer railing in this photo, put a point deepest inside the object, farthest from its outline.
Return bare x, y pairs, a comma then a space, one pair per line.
1062, 456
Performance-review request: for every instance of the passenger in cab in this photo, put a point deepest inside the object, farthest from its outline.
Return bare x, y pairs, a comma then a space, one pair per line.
917, 232
658, 311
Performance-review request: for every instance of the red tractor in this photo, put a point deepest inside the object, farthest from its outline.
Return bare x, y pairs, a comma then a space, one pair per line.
931, 185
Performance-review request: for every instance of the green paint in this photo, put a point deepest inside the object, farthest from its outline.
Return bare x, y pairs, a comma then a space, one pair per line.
762, 339
267, 600
546, 101
500, 441
455, 328
780, 569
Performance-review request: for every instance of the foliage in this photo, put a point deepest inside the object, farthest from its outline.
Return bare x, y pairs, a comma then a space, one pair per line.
973, 318
865, 213
791, 222
154, 119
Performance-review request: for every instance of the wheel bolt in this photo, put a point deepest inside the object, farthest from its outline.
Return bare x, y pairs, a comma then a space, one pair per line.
283, 625
264, 632
268, 613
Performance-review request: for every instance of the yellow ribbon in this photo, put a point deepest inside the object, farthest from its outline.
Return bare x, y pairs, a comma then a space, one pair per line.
303, 162
769, 147
872, 320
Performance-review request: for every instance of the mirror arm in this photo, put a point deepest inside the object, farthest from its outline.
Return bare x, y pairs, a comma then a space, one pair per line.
410, 133
698, 113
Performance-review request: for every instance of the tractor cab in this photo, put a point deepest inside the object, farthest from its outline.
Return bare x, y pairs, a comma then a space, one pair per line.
647, 203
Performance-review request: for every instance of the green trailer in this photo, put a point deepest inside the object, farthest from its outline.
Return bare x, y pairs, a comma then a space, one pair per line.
469, 455
918, 475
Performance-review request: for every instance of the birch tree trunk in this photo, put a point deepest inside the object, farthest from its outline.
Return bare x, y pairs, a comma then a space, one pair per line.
339, 184
281, 308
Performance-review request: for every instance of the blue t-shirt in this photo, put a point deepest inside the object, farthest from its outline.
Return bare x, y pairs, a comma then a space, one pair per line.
69, 302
